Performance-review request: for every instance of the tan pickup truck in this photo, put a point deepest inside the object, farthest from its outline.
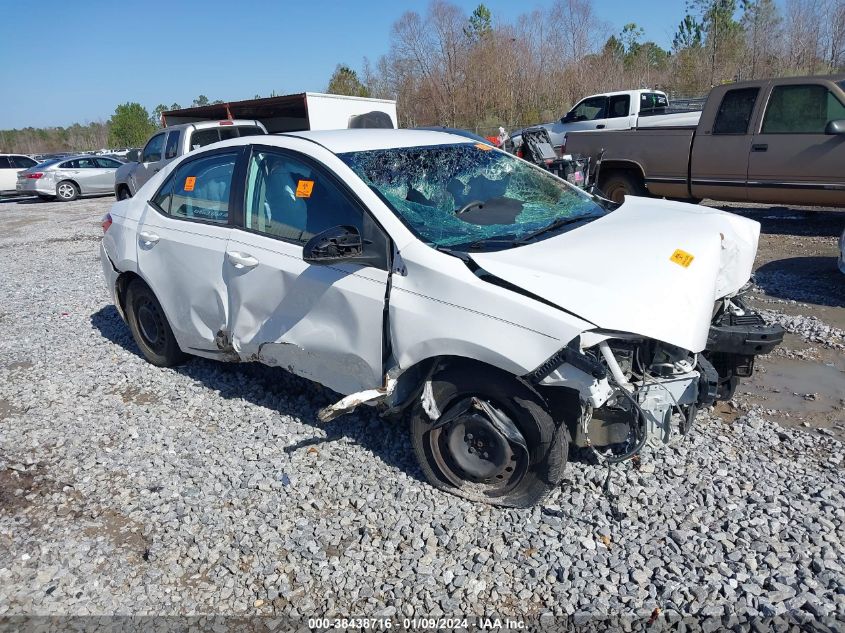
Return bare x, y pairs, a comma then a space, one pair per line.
771, 140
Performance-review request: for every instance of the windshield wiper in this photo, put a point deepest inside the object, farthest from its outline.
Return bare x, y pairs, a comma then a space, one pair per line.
557, 224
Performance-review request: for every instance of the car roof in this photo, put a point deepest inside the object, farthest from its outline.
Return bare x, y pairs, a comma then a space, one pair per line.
358, 140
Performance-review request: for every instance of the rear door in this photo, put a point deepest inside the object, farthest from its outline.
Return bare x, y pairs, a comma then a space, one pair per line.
320, 321
719, 161
792, 160
8, 174
104, 179
181, 244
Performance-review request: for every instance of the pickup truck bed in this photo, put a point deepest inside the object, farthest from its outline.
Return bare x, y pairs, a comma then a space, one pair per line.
776, 141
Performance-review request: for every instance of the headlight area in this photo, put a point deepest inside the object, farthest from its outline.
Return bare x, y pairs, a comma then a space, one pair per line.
631, 391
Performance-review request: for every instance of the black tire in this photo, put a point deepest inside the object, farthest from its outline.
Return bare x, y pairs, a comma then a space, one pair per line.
123, 193
149, 326
46, 198
527, 476
67, 191
618, 184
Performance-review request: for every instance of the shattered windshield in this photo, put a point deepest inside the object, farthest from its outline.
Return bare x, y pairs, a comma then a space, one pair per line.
470, 195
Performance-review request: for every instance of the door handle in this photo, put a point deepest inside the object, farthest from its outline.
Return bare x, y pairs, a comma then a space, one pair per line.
148, 238
241, 260
760, 147
600, 126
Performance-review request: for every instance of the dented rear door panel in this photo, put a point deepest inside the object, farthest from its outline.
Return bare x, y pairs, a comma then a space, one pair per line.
322, 322
186, 259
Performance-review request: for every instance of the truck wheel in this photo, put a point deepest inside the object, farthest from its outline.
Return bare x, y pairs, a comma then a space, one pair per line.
494, 440
618, 184
123, 193
67, 191
149, 326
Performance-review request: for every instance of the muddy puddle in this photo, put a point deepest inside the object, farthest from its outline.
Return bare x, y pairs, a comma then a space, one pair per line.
798, 392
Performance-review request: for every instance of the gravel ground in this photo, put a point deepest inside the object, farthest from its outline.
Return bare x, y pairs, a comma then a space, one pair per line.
212, 488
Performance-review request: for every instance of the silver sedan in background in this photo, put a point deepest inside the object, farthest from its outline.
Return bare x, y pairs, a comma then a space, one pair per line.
69, 177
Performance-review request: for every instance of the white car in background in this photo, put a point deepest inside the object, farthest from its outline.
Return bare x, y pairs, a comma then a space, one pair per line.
507, 312
10, 166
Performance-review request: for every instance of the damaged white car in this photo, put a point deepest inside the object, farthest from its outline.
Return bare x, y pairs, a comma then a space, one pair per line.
505, 312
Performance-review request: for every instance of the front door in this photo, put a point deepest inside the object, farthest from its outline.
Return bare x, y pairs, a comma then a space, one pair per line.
719, 162
322, 322
181, 246
152, 160
792, 160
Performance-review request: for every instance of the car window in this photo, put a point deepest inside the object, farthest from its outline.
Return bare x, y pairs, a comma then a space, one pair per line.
23, 162
86, 163
172, 146
250, 130
590, 109
152, 152
801, 109
107, 163
650, 101
619, 106
288, 198
4, 163
199, 189
228, 132
201, 138
735, 111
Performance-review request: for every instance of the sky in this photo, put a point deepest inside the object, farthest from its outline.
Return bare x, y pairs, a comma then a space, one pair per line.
69, 61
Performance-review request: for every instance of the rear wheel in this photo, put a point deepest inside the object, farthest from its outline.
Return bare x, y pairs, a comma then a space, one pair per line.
149, 326
494, 440
123, 193
618, 184
67, 191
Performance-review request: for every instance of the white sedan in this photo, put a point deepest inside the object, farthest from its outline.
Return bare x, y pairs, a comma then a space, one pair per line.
506, 312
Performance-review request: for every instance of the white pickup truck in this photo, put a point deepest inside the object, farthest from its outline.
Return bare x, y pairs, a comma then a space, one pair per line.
614, 111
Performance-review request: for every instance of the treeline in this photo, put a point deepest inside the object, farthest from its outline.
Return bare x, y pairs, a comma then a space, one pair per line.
129, 126
478, 71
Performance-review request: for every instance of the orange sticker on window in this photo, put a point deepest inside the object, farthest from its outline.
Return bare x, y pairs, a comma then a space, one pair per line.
304, 188
483, 146
190, 181
682, 258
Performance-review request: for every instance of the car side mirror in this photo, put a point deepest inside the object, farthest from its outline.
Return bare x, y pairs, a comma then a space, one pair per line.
567, 117
835, 127
133, 156
337, 244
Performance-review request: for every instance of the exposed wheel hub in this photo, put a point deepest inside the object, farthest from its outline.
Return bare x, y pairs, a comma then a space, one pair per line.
478, 448
149, 322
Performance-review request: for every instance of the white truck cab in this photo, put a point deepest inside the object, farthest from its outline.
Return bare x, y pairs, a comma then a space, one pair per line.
608, 111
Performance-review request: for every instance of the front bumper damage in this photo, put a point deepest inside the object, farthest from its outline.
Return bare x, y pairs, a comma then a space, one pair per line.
634, 390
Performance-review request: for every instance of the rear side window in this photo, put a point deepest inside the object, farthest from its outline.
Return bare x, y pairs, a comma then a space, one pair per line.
107, 163
172, 144
4, 163
735, 111
803, 109
290, 199
199, 189
201, 138
619, 106
651, 101
23, 162
152, 152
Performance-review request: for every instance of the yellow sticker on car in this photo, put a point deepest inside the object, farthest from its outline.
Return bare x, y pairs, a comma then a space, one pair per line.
483, 146
190, 183
304, 188
682, 258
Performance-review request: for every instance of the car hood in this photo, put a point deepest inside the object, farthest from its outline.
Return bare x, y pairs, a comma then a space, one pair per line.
651, 267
